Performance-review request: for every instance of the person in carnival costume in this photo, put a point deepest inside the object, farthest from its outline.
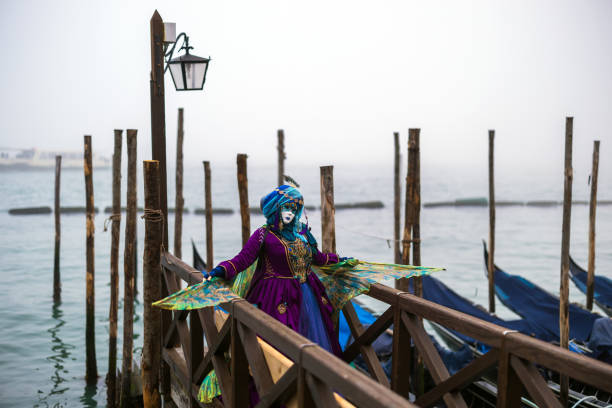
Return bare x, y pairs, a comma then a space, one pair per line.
283, 284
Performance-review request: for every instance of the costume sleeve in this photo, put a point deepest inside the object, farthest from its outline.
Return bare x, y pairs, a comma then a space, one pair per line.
246, 256
322, 258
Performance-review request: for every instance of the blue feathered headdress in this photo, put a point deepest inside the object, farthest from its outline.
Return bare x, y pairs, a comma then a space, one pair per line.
271, 207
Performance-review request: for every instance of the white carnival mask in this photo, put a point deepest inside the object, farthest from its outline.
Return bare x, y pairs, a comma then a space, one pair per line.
287, 215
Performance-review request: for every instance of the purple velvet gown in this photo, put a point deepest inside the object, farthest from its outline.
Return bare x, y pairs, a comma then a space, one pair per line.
285, 287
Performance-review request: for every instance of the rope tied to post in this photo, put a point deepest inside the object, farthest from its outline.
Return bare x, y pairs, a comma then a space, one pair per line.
155, 216
113, 217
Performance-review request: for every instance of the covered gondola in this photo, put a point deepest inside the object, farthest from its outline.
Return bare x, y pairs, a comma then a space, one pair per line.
602, 286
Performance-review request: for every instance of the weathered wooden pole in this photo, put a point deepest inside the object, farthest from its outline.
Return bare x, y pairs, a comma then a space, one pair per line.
243, 193
281, 156
416, 206
111, 380
403, 284
158, 149
179, 203
592, 211
128, 268
491, 261
91, 372
151, 349
158, 113
208, 212
397, 258
328, 210
57, 283
565, 248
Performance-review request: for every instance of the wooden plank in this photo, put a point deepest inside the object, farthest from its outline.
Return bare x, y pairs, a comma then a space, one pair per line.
369, 335
239, 369
509, 387
281, 156
218, 342
257, 362
178, 365
460, 379
401, 364
57, 285
432, 359
322, 395
284, 387
209, 221
536, 386
367, 351
304, 396
196, 353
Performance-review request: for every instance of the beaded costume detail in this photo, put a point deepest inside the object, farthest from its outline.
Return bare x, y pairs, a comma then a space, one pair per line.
300, 258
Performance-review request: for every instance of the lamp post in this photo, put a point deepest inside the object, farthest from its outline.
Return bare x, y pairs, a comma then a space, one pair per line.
188, 73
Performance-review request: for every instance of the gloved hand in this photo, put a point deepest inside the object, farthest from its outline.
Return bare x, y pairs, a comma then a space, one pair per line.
344, 258
216, 272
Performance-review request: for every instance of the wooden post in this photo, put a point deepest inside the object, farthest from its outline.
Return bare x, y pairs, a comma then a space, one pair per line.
416, 206
179, 203
281, 156
158, 149
91, 373
328, 210
158, 113
565, 247
208, 210
243, 193
57, 284
396, 201
111, 380
592, 210
151, 349
491, 262
128, 268
403, 284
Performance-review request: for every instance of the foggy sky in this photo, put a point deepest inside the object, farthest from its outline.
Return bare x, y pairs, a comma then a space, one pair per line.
338, 76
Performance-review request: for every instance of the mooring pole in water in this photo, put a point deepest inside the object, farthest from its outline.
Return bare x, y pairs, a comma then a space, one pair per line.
243, 193
281, 156
91, 372
491, 260
57, 283
592, 210
415, 192
180, 202
208, 214
565, 247
158, 149
128, 268
328, 210
151, 349
403, 284
111, 377
397, 188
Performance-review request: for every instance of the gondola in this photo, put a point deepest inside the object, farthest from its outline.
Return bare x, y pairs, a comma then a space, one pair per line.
436, 291
541, 308
602, 287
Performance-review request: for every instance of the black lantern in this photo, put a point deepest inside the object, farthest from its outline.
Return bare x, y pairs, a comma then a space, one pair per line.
188, 71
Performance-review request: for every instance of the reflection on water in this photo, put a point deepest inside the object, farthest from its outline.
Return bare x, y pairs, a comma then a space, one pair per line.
60, 352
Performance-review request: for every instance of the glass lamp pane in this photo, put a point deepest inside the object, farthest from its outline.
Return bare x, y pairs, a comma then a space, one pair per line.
194, 74
177, 76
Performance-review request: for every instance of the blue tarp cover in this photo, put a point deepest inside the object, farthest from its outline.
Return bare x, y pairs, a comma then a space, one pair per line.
602, 287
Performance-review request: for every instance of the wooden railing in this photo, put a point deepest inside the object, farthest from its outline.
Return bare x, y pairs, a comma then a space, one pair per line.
289, 369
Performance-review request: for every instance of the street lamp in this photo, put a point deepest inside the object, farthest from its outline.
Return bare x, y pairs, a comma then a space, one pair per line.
188, 71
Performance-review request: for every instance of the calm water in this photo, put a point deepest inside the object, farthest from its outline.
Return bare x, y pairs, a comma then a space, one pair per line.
43, 345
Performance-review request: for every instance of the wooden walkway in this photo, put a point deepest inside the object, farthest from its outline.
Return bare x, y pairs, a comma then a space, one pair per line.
288, 369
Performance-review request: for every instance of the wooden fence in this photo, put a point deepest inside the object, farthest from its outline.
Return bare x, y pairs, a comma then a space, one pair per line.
289, 369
